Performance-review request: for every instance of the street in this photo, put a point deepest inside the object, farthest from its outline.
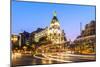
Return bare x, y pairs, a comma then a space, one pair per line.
50, 58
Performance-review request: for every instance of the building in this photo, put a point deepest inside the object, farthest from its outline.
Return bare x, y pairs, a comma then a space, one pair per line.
24, 39
14, 38
14, 41
50, 37
40, 33
20, 40
87, 39
52, 33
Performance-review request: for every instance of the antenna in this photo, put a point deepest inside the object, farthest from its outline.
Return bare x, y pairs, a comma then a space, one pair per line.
80, 27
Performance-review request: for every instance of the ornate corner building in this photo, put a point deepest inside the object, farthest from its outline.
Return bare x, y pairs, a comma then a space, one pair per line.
52, 33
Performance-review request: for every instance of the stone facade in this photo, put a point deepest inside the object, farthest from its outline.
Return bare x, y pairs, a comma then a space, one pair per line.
87, 39
52, 33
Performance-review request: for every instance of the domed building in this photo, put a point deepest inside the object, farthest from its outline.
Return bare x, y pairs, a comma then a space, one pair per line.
55, 34
52, 33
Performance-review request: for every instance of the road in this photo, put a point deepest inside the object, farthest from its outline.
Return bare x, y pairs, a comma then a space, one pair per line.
50, 58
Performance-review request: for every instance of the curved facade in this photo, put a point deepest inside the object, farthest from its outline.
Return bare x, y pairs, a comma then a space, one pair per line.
53, 32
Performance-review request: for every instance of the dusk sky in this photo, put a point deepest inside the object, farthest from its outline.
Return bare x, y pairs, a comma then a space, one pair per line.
29, 16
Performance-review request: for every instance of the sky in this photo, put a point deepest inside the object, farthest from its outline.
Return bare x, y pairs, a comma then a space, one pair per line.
29, 16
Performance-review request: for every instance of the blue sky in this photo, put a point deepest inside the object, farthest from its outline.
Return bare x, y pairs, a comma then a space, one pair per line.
29, 16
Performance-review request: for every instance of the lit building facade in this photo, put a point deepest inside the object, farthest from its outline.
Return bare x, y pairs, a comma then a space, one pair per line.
24, 39
20, 40
14, 38
87, 39
15, 41
55, 34
52, 33
89, 33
